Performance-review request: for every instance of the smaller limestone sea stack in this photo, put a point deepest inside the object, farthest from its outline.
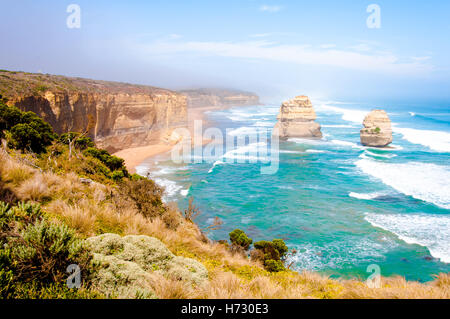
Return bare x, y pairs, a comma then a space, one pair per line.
377, 131
297, 119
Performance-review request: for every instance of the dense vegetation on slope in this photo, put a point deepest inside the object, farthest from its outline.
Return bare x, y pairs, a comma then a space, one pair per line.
35, 253
65, 202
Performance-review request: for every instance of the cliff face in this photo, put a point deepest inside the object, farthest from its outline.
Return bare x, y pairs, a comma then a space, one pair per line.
297, 119
377, 131
218, 97
117, 115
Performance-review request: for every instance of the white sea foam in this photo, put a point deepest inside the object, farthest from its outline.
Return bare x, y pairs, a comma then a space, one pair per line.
168, 170
350, 115
156, 170
184, 192
395, 147
390, 148
243, 131
431, 231
380, 155
436, 140
345, 143
338, 254
338, 126
315, 151
427, 182
248, 152
367, 196
238, 115
235, 118
142, 170
306, 141
325, 142
285, 187
171, 187
218, 162
263, 124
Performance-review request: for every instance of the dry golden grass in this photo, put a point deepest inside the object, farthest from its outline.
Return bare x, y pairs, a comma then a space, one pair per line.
399, 288
34, 189
90, 210
12, 171
75, 216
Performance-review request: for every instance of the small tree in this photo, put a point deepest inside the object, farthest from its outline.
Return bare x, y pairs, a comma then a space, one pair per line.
27, 131
145, 194
192, 211
9, 116
24, 137
272, 254
77, 139
240, 240
42, 127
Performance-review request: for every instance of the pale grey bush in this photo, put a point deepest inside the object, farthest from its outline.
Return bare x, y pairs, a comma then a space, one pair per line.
127, 263
117, 278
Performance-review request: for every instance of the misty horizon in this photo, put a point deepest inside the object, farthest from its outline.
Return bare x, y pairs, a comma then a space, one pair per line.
276, 50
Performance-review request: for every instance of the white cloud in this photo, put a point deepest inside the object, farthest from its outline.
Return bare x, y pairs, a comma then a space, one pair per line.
362, 47
269, 34
261, 35
421, 58
328, 46
376, 62
174, 36
269, 8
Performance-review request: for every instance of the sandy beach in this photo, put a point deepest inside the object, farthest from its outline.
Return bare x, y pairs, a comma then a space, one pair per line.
135, 156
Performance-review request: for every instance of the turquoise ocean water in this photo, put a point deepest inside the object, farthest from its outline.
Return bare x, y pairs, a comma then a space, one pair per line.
342, 206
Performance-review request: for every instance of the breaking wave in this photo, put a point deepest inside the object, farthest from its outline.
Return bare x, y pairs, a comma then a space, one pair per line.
431, 231
427, 182
436, 140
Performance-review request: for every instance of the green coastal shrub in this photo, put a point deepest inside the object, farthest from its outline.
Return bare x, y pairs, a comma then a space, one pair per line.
35, 254
112, 162
24, 130
24, 137
271, 254
281, 247
274, 265
81, 142
28, 132
9, 116
239, 239
117, 175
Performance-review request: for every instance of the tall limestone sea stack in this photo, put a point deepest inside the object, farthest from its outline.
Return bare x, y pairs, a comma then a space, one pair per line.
297, 119
377, 131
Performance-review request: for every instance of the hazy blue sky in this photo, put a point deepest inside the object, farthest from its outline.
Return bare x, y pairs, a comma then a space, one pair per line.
275, 48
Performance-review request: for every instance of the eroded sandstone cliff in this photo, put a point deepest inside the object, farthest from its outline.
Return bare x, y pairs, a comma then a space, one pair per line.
116, 115
219, 97
377, 131
297, 119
